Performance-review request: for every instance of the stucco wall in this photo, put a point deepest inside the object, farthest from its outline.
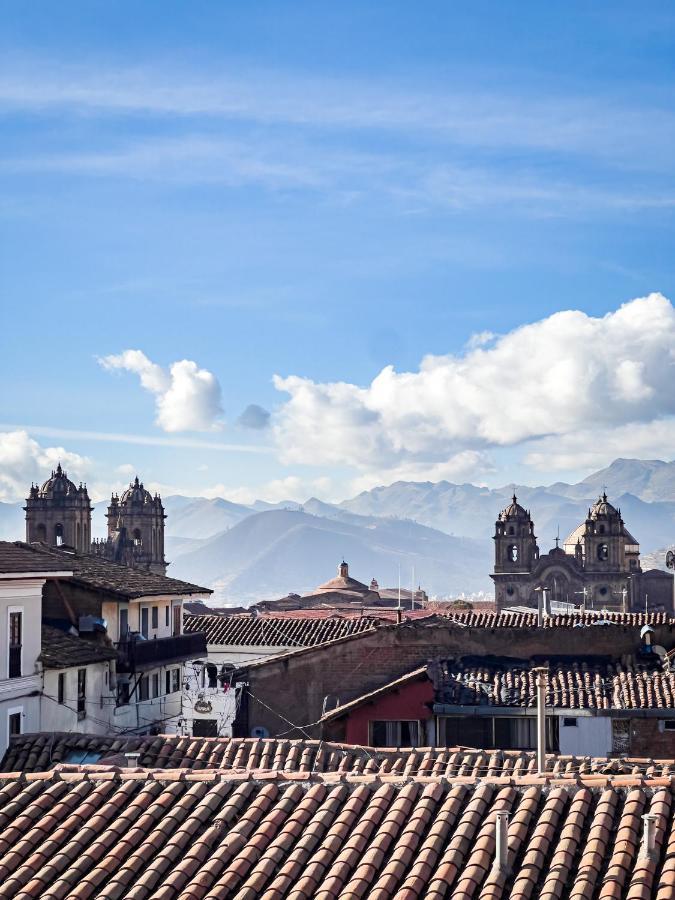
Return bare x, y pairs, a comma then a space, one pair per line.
99, 707
592, 735
409, 702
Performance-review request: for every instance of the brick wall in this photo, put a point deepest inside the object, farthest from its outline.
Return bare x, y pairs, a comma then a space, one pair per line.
648, 739
293, 689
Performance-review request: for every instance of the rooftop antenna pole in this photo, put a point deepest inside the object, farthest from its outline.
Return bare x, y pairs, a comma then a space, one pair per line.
541, 678
399, 611
412, 593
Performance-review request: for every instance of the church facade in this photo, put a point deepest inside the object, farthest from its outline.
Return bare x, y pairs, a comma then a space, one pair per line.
598, 565
59, 514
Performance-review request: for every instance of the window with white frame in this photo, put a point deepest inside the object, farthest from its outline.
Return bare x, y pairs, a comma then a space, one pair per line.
14, 721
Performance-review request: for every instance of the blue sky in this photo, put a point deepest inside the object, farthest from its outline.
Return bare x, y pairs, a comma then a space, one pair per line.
318, 192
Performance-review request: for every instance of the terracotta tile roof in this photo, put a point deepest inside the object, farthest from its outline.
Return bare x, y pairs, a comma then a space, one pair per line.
275, 631
111, 577
578, 685
40, 752
529, 619
99, 833
17, 558
374, 613
61, 650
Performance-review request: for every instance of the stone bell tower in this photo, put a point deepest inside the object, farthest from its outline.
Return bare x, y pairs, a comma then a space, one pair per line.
59, 513
135, 530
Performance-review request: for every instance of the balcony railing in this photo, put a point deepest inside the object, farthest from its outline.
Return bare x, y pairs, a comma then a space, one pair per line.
137, 653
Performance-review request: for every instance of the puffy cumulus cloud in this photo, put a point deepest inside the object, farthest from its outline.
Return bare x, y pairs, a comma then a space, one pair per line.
23, 460
187, 398
255, 417
555, 377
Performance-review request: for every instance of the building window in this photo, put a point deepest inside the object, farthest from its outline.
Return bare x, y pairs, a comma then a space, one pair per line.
167, 681
603, 552
14, 724
570, 721
212, 673
512, 553
205, 728
144, 621
144, 688
155, 617
61, 690
175, 680
669, 724
166, 616
122, 693
138, 540
124, 624
81, 693
490, 732
402, 733
155, 685
15, 638
58, 535
176, 620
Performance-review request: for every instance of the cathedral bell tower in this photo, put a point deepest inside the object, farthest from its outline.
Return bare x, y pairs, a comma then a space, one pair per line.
59, 513
515, 542
135, 530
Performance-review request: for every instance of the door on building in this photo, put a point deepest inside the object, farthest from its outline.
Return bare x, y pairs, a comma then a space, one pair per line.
176, 619
144, 621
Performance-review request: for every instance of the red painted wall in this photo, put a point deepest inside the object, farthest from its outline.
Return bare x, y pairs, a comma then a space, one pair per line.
406, 703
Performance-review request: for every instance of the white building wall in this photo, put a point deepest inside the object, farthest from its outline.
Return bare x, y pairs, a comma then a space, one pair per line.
592, 735
20, 695
99, 706
205, 704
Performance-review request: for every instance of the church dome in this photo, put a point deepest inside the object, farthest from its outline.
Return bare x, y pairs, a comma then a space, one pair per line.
514, 511
343, 583
603, 508
136, 493
58, 485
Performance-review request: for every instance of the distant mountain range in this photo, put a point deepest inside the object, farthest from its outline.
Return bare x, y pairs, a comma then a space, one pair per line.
443, 529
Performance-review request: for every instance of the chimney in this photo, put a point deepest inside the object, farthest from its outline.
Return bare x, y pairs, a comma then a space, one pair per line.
132, 758
540, 609
502, 842
648, 848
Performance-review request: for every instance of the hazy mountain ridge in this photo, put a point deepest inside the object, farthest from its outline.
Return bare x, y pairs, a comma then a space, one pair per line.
281, 551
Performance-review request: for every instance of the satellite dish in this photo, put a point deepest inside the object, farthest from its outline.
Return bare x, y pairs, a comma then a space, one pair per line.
258, 731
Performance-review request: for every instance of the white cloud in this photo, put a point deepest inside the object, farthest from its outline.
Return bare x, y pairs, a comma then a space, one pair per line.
594, 448
23, 460
291, 487
558, 376
187, 398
